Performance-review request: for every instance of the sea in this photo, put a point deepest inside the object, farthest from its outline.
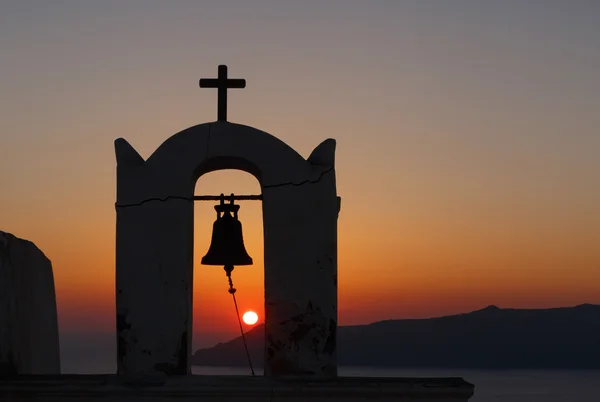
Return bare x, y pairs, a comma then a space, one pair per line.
490, 385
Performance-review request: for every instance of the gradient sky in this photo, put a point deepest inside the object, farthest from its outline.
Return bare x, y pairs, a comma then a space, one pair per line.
468, 141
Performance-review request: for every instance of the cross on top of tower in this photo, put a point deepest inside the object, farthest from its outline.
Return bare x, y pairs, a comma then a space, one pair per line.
222, 83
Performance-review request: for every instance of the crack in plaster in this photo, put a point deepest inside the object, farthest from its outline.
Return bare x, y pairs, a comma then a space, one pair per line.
177, 197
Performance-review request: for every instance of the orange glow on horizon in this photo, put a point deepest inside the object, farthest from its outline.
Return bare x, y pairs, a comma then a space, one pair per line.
465, 272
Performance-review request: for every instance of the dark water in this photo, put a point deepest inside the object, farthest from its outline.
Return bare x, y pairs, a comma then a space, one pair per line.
490, 385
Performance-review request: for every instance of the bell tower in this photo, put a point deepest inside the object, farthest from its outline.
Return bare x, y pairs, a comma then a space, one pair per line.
154, 245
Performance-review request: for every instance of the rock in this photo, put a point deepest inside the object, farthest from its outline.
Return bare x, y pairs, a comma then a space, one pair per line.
28, 317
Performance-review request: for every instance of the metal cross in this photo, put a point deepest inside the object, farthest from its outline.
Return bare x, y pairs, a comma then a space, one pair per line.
222, 83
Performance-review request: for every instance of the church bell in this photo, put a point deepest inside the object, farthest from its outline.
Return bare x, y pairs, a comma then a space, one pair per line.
227, 243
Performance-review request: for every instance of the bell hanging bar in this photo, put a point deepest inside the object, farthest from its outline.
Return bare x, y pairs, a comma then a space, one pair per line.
229, 197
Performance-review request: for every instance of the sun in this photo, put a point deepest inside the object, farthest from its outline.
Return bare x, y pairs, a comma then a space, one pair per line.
250, 318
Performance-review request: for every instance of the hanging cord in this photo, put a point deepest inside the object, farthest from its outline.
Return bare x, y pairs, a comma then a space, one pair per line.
232, 290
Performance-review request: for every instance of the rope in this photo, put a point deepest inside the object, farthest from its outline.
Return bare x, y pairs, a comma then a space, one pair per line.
232, 290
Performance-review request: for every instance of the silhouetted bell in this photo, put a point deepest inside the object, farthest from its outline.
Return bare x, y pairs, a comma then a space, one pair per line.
227, 244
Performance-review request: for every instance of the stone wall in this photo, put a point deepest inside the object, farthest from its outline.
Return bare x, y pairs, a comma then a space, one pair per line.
28, 317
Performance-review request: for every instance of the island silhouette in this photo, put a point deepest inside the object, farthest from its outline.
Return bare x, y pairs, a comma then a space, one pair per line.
490, 338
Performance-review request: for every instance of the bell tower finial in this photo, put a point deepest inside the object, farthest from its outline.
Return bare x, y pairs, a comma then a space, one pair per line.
222, 83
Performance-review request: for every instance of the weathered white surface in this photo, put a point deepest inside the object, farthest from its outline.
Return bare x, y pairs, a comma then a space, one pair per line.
28, 319
154, 252
237, 389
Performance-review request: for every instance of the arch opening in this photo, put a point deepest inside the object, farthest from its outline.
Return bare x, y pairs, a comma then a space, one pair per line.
227, 164
214, 317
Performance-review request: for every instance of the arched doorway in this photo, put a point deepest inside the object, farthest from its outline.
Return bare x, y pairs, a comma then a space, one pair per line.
154, 250
214, 314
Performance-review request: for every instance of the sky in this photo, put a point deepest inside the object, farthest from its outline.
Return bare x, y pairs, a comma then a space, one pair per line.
467, 142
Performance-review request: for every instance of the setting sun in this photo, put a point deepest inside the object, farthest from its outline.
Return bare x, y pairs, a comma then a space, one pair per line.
250, 317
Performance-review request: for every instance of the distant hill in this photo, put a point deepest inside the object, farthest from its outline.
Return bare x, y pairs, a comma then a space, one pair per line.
557, 338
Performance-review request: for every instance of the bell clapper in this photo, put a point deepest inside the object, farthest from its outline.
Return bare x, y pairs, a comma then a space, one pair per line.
228, 269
